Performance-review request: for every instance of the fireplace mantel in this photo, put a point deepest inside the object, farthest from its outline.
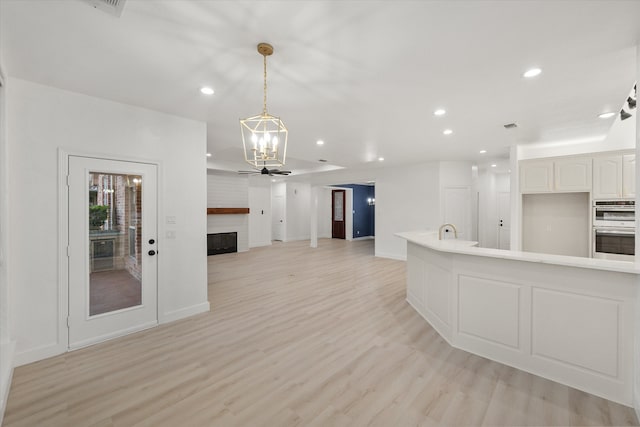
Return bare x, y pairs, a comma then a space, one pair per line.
227, 211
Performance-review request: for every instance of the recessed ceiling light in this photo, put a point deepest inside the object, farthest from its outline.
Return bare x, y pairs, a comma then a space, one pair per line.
439, 112
381, 159
447, 132
494, 165
208, 154
206, 90
483, 151
606, 115
532, 73
320, 142
273, 180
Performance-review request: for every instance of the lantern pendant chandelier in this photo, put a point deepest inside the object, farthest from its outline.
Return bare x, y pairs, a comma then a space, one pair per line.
264, 137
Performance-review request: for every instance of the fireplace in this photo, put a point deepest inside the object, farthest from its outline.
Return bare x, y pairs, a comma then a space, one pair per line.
222, 243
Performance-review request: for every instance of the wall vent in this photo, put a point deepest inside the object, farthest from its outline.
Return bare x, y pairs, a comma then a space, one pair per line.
113, 7
510, 126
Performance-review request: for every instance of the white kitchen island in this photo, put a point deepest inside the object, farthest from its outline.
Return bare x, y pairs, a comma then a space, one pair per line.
568, 319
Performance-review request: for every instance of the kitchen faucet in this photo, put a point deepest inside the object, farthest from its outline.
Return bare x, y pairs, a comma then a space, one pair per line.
443, 226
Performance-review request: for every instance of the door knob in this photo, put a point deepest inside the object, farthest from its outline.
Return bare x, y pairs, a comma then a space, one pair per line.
151, 241
152, 252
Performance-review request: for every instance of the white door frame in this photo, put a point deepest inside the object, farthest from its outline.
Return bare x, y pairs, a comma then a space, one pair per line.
62, 344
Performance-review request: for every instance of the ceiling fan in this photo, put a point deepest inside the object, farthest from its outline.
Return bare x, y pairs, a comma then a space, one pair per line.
265, 171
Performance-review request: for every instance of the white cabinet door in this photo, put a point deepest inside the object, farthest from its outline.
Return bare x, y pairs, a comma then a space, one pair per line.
572, 174
607, 177
536, 177
629, 175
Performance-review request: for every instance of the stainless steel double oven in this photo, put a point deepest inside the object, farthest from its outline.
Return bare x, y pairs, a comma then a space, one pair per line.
614, 229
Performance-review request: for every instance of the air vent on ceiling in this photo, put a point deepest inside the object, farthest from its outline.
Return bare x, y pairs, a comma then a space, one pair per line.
322, 160
510, 126
113, 7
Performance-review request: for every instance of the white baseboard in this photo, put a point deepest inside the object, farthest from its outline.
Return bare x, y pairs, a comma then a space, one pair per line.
6, 374
365, 238
297, 238
172, 316
391, 256
112, 335
38, 353
260, 244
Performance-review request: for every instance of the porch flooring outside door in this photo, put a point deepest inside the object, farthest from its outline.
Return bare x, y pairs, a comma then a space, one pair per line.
113, 290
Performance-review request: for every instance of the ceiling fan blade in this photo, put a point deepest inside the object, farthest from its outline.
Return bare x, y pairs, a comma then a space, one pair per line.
278, 172
247, 172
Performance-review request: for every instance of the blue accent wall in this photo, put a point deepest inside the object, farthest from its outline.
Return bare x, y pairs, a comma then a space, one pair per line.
364, 216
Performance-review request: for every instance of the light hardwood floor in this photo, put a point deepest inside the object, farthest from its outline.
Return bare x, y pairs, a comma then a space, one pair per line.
296, 336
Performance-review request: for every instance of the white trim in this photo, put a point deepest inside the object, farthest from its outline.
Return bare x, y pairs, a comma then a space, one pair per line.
6, 353
260, 244
63, 260
38, 353
364, 238
391, 256
297, 238
110, 335
185, 312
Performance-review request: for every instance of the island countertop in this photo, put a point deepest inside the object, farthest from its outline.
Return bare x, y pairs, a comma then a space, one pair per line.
429, 239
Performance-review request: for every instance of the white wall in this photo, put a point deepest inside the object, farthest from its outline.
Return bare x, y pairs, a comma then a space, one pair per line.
298, 202
556, 223
6, 342
259, 211
42, 119
228, 190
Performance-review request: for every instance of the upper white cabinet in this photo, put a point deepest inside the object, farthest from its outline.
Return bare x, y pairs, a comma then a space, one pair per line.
614, 176
607, 177
572, 174
536, 177
556, 175
629, 175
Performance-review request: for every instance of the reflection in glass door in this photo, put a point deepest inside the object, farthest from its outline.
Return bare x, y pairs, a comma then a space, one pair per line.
112, 248
115, 236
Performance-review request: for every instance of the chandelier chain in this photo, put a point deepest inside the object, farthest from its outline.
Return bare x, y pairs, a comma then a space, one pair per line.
264, 108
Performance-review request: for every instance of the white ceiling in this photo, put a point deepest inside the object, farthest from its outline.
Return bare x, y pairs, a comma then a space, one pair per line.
364, 76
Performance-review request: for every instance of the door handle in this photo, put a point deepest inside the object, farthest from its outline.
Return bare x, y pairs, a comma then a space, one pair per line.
151, 241
152, 252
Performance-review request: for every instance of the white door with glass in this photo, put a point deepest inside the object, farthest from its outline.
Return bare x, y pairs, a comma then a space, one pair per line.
112, 248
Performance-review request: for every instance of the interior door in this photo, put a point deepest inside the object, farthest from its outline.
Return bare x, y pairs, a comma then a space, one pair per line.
504, 220
112, 249
456, 209
277, 220
337, 214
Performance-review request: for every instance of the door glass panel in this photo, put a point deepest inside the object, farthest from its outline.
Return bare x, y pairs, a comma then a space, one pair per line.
115, 237
338, 208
